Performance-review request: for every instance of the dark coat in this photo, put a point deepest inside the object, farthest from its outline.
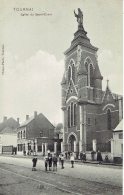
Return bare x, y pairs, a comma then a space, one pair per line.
99, 156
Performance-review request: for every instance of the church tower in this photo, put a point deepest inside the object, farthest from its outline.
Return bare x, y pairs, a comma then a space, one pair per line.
81, 91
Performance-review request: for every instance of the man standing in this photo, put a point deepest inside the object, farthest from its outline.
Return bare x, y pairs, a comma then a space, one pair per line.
72, 160
62, 161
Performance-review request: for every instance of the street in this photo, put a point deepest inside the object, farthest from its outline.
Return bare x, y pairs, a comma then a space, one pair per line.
17, 178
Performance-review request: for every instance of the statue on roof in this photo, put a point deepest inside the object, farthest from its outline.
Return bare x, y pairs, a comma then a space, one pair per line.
79, 17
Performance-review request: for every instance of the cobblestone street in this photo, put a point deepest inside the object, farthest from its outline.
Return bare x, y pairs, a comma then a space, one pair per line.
16, 178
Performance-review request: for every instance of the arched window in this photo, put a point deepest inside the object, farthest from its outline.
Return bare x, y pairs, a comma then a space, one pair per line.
109, 119
74, 114
69, 73
86, 65
91, 76
73, 73
90, 70
69, 116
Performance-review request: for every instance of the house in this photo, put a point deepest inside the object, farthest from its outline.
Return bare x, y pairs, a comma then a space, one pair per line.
8, 135
117, 142
36, 134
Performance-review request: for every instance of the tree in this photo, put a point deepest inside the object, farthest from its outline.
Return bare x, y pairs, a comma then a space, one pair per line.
58, 129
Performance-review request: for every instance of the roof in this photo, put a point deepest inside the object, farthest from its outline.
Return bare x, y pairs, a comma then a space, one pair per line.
40, 119
26, 122
119, 126
11, 122
9, 130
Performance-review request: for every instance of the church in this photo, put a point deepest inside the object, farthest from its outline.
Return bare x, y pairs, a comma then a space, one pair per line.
89, 114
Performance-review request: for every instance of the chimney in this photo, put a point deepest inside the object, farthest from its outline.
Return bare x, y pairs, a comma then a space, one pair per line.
18, 120
4, 118
35, 114
27, 117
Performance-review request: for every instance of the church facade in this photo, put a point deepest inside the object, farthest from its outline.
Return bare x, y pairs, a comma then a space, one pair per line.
89, 113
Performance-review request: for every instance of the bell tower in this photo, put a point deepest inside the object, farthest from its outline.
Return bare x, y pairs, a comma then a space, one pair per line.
81, 86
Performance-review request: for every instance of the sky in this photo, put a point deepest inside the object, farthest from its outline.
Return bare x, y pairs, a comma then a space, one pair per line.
34, 48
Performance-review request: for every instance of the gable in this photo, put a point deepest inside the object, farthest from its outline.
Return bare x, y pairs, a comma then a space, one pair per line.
72, 91
108, 96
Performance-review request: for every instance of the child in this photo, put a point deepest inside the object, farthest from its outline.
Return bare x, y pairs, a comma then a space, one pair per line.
46, 162
50, 161
34, 160
72, 160
62, 161
54, 159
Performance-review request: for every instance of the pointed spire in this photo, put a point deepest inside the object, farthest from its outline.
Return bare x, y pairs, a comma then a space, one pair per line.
107, 86
63, 80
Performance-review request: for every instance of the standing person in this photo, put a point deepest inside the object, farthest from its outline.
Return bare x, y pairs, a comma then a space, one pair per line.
81, 156
66, 154
50, 161
46, 162
84, 157
34, 160
62, 161
60, 158
72, 160
99, 157
54, 159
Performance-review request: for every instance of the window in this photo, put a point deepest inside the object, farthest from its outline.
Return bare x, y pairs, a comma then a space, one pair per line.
24, 134
18, 135
91, 76
41, 133
21, 134
90, 71
120, 135
88, 121
86, 65
72, 114
69, 116
71, 72
109, 119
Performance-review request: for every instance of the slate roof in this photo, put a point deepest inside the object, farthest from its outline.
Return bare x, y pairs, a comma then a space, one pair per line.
40, 118
25, 123
12, 123
9, 130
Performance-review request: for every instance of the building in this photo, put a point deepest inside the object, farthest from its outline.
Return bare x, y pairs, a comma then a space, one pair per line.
117, 142
89, 113
8, 135
36, 134
8, 141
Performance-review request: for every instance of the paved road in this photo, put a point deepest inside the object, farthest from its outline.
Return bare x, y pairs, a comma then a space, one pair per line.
16, 178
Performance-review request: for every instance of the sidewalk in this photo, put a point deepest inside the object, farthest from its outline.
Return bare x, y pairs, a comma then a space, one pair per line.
66, 160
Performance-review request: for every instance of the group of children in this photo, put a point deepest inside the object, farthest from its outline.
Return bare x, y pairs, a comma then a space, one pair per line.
51, 162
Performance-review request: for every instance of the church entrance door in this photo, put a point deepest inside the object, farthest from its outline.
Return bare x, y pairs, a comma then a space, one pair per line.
72, 139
